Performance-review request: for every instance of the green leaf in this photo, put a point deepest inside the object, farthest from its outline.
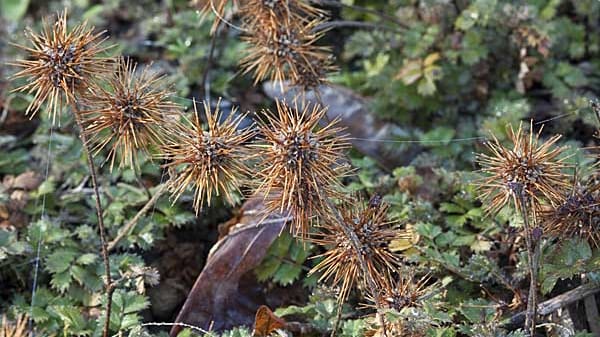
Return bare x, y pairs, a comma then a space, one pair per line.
428, 230
267, 268
73, 319
548, 284
449, 207
353, 328
61, 281
13, 10
60, 260
287, 274
87, 258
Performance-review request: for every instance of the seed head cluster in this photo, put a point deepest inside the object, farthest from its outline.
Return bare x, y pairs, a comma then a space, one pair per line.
370, 230
530, 168
404, 291
60, 65
127, 112
283, 36
300, 163
209, 157
578, 215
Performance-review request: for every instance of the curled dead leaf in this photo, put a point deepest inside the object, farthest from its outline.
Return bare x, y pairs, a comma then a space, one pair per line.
266, 322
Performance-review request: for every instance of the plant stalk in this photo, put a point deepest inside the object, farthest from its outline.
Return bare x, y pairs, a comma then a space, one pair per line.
108, 284
131, 224
533, 248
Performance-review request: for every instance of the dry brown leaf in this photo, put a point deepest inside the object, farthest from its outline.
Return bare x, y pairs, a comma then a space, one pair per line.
226, 293
266, 322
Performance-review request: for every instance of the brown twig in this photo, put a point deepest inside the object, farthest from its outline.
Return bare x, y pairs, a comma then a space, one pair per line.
99, 213
555, 303
129, 226
382, 15
208, 64
532, 262
338, 318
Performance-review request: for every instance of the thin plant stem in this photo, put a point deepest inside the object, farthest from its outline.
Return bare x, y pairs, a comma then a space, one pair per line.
129, 226
355, 242
338, 318
532, 259
208, 64
382, 15
99, 213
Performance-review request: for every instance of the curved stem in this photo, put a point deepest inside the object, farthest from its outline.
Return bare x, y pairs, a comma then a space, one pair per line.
129, 226
108, 284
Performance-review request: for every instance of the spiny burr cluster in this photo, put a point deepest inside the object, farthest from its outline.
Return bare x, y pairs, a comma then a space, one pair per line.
283, 36
295, 159
213, 160
300, 163
578, 215
530, 168
362, 232
127, 112
61, 64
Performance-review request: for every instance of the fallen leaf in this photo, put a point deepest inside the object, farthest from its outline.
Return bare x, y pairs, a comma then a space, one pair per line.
266, 322
226, 293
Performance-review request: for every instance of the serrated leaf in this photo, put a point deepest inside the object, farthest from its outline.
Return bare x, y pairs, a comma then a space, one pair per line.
287, 273
60, 260
428, 230
267, 268
73, 319
61, 281
86, 259
449, 207
135, 303
548, 284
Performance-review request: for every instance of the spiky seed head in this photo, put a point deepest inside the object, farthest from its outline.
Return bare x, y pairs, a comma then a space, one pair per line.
300, 163
60, 65
284, 53
127, 113
529, 167
578, 215
313, 74
371, 227
404, 291
271, 14
210, 158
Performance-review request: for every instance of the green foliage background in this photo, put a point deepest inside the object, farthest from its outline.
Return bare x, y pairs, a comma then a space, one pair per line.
443, 70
